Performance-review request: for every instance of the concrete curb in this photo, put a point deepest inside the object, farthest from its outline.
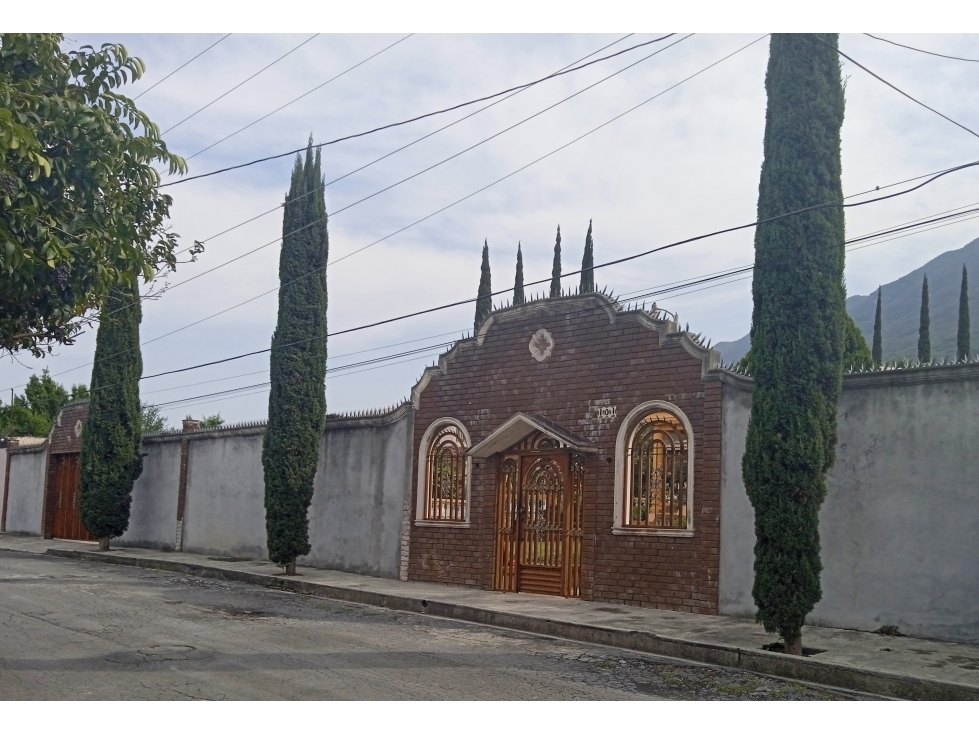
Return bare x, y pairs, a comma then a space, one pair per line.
809, 670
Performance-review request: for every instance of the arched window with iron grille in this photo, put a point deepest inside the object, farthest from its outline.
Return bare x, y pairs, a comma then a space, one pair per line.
446, 476
656, 474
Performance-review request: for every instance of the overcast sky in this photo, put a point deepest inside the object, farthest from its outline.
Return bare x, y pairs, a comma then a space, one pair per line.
685, 163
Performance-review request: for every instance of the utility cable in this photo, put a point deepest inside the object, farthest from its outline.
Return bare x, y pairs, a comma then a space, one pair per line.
306, 94
419, 117
920, 50
896, 89
216, 99
180, 67
397, 150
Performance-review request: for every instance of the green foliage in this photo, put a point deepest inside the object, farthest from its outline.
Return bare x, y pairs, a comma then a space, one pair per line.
214, 421
797, 329
924, 326
297, 400
81, 205
484, 299
518, 295
963, 338
33, 413
856, 353
878, 351
588, 265
152, 420
556, 266
110, 459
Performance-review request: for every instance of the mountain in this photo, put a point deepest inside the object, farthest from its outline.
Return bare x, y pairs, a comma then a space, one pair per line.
900, 307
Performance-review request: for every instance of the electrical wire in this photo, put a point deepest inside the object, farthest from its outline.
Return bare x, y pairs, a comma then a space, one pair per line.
419, 117
306, 94
896, 89
216, 99
180, 67
920, 50
398, 150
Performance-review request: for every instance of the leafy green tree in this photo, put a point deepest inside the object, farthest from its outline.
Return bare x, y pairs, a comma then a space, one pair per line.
588, 265
856, 353
297, 400
44, 396
518, 295
110, 460
797, 329
878, 351
556, 266
963, 347
19, 420
79, 392
153, 421
924, 326
79, 192
212, 421
484, 298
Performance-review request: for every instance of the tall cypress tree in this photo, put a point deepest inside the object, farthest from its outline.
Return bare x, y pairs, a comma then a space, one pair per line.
924, 326
963, 346
297, 366
556, 267
484, 298
588, 265
797, 330
878, 349
110, 459
518, 296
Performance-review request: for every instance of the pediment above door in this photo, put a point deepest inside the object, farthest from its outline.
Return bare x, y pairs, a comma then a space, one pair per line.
523, 426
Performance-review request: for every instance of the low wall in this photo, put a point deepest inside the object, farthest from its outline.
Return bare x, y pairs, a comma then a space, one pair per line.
153, 513
25, 489
900, 525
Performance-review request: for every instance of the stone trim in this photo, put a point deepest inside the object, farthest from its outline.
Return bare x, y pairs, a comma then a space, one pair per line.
422, 478
624, 437
898, 377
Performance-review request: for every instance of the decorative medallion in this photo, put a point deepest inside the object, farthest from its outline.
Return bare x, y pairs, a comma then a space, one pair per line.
541, 345
78, 428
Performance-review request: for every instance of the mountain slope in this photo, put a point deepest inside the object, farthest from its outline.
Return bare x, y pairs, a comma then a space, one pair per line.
900, 304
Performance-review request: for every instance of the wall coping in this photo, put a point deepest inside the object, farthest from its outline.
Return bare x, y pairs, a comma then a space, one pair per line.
890, 377
31, 448
652, 318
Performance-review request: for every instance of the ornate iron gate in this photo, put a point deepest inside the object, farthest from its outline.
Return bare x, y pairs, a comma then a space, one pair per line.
539, 518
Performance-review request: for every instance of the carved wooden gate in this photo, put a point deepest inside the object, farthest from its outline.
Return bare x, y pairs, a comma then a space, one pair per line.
67, 520
539, 507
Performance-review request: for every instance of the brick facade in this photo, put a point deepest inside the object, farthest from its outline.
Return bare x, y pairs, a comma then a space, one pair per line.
602, 357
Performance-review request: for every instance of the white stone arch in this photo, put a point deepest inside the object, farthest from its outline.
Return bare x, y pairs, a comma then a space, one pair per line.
626, 432
423, 446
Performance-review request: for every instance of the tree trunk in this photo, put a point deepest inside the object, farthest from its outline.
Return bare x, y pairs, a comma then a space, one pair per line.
793, 645
104, 543
291, 571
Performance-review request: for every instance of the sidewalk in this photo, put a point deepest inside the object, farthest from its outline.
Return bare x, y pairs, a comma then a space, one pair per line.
898, 667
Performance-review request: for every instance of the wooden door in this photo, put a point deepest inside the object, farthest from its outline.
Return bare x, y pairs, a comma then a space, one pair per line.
538, 547
67, 520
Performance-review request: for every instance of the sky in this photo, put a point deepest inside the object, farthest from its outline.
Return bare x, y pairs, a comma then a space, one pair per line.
685, 163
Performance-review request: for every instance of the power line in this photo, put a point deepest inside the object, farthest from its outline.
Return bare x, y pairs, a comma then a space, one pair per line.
180, 67
216, 99
306, 94
896, 89
419, 117
401, 148
920, 50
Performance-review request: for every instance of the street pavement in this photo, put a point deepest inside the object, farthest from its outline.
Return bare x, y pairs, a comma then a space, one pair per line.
84, 631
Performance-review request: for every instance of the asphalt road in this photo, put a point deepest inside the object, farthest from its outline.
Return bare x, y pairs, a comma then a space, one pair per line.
73, 630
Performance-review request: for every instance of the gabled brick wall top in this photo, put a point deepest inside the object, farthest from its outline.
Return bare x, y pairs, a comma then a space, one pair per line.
66, 434
604, 363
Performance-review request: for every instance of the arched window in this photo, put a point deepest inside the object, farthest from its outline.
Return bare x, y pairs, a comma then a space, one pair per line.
654, 463
446, 473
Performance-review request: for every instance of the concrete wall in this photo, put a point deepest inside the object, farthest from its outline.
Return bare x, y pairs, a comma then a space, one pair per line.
900, 525
153, 513
25, 498
358, 502
225, 510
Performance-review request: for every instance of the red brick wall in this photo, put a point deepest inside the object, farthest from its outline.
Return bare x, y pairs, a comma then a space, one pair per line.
594, 362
